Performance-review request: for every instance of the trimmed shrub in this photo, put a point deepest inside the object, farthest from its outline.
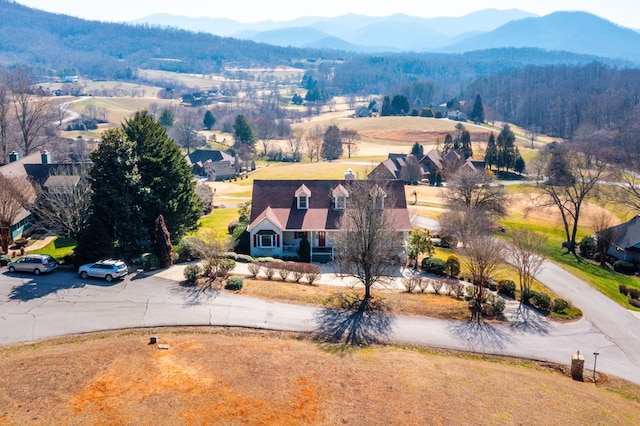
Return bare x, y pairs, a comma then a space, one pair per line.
244, 258
283, 271
434, 266
312, 273
150, 261
423, 284
234, 283
20, 242
192, 273
623, 289
588, 247
297, 271
507, 287
526, 296
452, 268
559, 305
497, 303
224, 266
436, 285
624, 267
269, 269
411, 283
634, 293
541, 301
186, 250
634, 302
4, 260
229, 255
254, 269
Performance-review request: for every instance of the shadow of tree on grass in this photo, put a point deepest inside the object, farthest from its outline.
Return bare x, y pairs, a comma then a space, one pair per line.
353, 321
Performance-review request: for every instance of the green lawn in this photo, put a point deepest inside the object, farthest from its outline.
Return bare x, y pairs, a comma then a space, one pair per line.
218, 221
58, 248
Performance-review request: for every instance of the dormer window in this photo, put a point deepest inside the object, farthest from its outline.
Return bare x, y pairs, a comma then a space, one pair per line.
303, 202
339, 195
302, 195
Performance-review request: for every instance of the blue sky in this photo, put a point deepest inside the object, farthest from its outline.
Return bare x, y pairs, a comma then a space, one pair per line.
622, 12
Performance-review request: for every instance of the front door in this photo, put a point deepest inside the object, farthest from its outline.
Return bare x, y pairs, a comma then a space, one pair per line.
322, 239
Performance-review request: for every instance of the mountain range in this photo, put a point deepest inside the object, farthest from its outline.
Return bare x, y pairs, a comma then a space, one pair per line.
577, 32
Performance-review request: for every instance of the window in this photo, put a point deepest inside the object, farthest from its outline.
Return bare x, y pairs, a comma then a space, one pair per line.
340, 202
303, 202
267, 241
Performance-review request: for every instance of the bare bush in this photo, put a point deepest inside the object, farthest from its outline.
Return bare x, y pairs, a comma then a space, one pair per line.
411, 283
270, 269
283, 271
312, 273
436, 285
297, 272
254, 269
423, 284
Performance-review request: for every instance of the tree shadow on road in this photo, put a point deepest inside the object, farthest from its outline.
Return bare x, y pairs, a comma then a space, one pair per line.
31, 289
481, 335
354, 322
527, 320
197, 294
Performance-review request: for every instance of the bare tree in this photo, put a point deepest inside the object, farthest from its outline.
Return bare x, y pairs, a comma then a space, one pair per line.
603, 223
571, 178
411, 172
524, 255
32, 111
186, 128
5, 109
266, 130
482, 255
64, 206
16, 195
314, 141
295, 144
477, 190
366, 244
350, 139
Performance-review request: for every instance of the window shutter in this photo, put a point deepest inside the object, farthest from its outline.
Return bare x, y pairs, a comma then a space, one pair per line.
277, 240
255, 240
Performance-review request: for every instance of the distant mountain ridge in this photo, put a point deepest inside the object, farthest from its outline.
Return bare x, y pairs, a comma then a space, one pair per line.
577, 32
397, 32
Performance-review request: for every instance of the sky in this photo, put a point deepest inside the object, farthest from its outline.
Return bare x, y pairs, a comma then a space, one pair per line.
622, 12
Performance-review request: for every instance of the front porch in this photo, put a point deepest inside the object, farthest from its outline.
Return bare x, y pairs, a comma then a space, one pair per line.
321, 249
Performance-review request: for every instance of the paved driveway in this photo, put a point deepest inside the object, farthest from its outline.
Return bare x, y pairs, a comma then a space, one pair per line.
61, 303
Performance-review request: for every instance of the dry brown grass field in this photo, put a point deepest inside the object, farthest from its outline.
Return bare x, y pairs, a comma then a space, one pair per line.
236, 376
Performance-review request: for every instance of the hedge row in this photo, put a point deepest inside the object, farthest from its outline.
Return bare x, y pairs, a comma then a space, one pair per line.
297, 270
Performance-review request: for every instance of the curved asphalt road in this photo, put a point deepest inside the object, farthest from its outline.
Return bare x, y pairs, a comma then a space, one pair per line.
61, 303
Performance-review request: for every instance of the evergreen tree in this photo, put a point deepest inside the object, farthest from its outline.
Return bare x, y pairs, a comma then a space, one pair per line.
506, 148
448, 144
477, 114
209, 120
400, 105
167, 118
115, 225
297, 99
332, 143
417, 150
519, 165
162, 246
386, 107
465, 141
491, 154
243, 132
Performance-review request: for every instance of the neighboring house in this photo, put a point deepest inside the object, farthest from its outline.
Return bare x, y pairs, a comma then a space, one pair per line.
284, 212
39, 169
432, 164
626, 241
214, 164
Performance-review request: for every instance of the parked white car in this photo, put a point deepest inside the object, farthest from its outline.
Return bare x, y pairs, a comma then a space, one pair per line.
107, 269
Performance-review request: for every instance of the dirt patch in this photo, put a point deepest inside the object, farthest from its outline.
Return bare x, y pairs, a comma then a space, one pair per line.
232, 376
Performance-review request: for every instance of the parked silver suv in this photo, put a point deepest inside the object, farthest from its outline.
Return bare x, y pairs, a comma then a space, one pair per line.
107, 269
35, 263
